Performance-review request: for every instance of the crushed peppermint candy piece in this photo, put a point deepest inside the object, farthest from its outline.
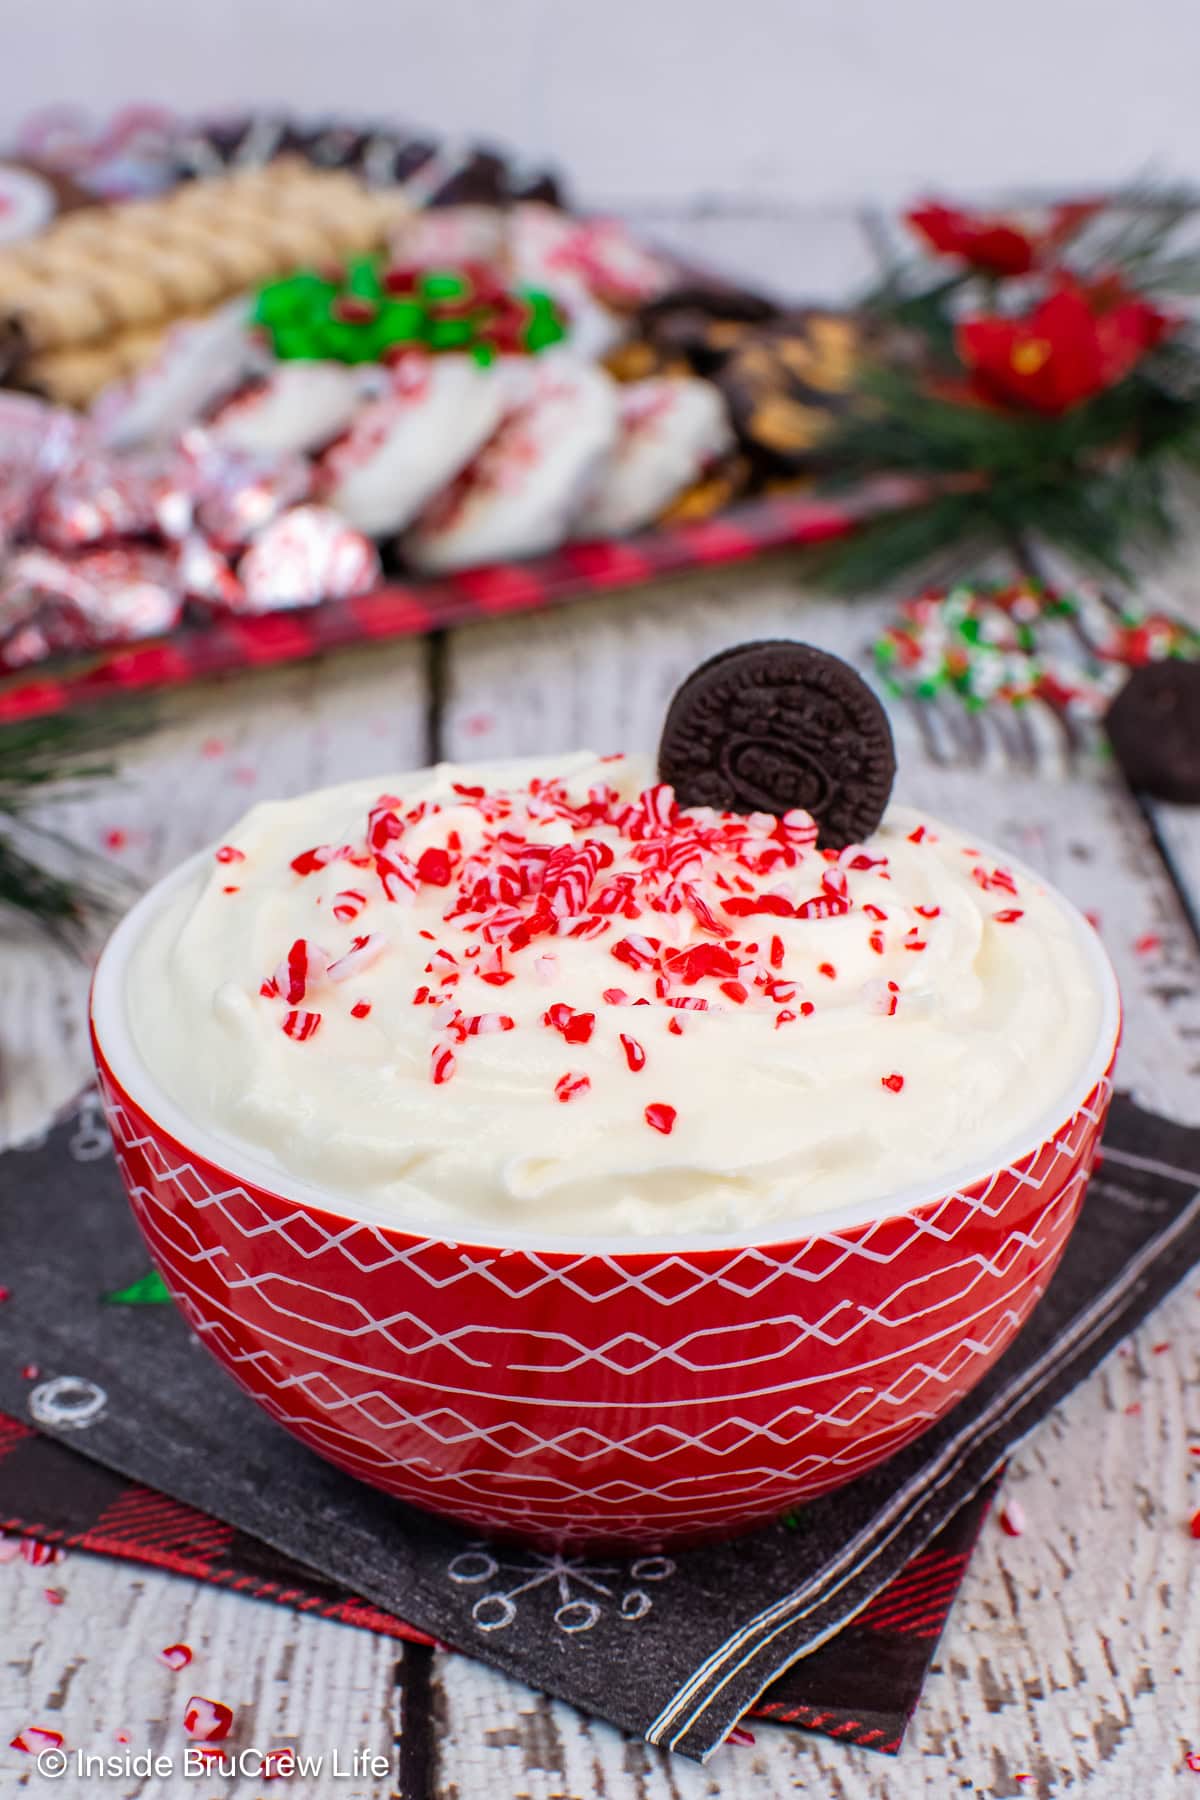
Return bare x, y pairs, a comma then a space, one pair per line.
576, 1027
301, 1025
435, 867
1012, 1518
361, 954
176, 1656
661, 1117
347, 904
37, 1553
208, 1721
34, 1739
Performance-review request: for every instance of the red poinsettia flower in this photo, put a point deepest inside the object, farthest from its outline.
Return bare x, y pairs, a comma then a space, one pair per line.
1074, 344
993, 244
997, 245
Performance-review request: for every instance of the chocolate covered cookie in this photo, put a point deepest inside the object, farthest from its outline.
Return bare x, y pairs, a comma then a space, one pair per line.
785, 384
714, 299
1153, 726
699, 325
480, 179
769, 726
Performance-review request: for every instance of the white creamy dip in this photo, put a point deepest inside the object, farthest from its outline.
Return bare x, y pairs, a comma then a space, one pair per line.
540, 995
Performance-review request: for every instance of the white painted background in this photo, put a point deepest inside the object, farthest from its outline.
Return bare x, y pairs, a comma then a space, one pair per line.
672, 100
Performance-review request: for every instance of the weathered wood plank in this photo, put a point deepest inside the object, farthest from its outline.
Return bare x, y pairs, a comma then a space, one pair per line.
1178, 829
89, 1668
219, 748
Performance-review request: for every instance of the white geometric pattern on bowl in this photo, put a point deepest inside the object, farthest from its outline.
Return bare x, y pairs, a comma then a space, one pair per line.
574, 1396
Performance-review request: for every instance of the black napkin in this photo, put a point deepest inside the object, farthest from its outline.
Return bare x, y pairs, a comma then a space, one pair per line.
861, 1687
674, 1649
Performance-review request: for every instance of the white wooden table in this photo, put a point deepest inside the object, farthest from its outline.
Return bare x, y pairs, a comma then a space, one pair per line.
1072, 1659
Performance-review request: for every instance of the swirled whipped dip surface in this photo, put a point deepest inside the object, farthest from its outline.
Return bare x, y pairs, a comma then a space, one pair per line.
542, 996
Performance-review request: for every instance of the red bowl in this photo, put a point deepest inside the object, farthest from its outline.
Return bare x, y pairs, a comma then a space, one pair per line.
628, 1391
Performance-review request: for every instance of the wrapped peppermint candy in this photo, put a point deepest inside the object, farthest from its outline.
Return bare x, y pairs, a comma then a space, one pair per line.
52, 601
205, 574
236, 493
33, 627
437, 413
309, 554
94, 499
35, 441
671, 430
519, 497
297, 408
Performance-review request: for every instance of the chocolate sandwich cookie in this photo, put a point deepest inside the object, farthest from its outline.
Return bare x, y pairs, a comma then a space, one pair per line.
770, 726
1153, 726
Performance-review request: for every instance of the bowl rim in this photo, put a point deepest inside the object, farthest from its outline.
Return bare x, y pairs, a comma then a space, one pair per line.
247, 1163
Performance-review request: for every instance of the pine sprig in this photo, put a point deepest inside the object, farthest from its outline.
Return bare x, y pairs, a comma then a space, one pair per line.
1102, 481
1133, 233
44, 876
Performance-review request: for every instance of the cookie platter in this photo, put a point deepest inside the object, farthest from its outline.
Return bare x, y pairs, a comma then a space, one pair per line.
268, 390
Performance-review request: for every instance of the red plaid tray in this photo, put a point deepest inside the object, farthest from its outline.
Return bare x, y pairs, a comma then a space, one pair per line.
400, 610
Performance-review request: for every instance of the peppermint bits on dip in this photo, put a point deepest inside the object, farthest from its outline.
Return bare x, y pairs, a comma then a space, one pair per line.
548, 996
